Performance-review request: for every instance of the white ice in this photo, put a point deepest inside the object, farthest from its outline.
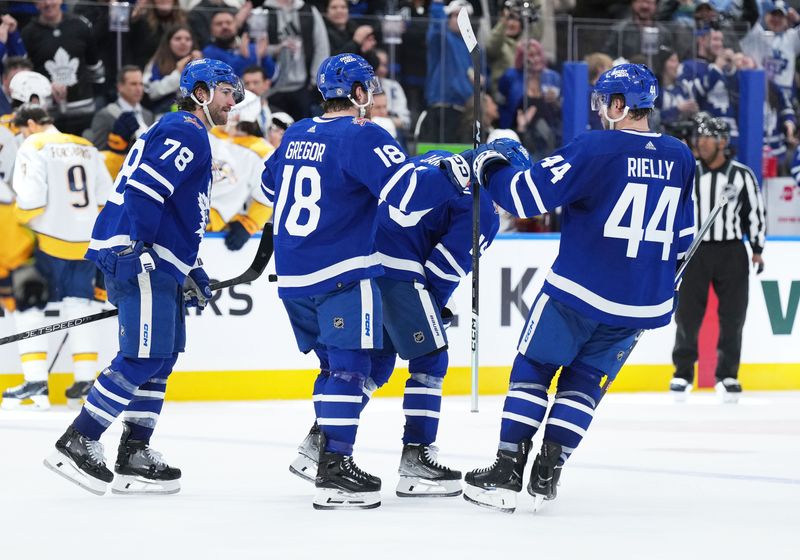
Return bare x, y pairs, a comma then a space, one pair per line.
652, 480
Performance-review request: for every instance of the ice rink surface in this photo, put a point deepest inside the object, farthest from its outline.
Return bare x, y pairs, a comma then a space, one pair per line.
652, 480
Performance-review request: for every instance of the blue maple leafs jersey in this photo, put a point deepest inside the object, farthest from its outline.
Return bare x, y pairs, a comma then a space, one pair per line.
627, 217
433, 247
325, 180
161, 195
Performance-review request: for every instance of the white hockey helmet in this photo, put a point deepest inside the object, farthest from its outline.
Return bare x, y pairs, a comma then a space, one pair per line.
26, 84
247, 110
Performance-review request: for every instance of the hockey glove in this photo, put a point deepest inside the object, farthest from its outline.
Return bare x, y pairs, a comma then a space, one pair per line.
29, 287
129, 263
196, 289
457, 169
492, 156
447, 317
236, 236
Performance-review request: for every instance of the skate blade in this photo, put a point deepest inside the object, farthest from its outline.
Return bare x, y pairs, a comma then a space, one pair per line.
330, 498
728, 398
130, 485
499, 499
538, 503
39, 402
66, 467
415, 487
680, 396
304, 467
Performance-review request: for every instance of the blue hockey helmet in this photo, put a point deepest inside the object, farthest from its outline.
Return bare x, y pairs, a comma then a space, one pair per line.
636, 82
211, 73
339, 73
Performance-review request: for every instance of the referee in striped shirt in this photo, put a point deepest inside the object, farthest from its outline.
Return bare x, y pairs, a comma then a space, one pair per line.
721, 260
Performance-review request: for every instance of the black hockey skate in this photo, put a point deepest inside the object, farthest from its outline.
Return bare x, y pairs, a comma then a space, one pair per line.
77, 392
545, 472
342, 485
307, 460
421, 475
680, 388
496, 487
728, 390
36, 391
80, 460
140, 470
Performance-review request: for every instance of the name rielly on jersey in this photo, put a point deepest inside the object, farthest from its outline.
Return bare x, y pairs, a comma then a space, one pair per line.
648, 168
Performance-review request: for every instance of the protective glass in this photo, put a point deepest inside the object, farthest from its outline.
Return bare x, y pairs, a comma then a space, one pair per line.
373, 85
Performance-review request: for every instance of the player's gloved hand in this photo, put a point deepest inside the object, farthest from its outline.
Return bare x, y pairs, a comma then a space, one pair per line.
457, 169
196, 289
130, 262
30, 288
236, 235
123, 132
447, 317
493, 156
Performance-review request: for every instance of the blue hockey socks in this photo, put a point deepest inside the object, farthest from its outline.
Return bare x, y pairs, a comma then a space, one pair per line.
340, 401
573, 409
422, 399
112, 393
526, 402
145, 406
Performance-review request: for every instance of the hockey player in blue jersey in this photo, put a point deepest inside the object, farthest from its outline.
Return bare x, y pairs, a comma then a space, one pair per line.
627, 220
146, 241
424, 255
326, 179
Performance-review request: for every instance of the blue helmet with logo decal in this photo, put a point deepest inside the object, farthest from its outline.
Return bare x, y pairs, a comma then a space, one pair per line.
339, 73
636, 82
210, 72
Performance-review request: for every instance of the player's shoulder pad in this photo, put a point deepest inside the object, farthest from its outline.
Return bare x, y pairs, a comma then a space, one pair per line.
182, 126
257, 145
430, 158
41, 139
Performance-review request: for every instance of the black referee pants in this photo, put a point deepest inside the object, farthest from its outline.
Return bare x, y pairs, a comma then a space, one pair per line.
725, 265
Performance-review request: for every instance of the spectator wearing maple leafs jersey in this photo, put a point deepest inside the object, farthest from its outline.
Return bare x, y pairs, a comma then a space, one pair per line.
62, 47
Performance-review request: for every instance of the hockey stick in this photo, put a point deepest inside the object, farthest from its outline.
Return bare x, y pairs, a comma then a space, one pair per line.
729, 193
260, 261
465, 27
58, 353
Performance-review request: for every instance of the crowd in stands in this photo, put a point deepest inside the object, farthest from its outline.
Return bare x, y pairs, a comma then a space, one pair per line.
695, 47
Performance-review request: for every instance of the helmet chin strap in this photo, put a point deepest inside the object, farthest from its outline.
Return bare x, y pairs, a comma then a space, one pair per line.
362, 109
205, 105
612, 122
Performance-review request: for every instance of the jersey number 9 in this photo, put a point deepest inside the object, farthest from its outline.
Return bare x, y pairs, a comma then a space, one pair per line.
76, 178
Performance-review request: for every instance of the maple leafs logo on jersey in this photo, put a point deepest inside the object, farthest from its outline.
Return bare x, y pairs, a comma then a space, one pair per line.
204, 203
63, 69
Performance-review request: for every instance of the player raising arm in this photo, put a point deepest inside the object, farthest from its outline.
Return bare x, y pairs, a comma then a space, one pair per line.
326, 179
628, 217
146, 242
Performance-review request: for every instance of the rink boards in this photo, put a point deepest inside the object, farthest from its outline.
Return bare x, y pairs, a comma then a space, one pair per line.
242, 347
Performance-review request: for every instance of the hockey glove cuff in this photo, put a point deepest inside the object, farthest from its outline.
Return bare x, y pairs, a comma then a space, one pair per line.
457, 169
196, 289
236, 234
487, 160
128, 263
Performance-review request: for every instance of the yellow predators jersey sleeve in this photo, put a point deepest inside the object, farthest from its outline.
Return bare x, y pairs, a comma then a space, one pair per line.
16, 241
60, 181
